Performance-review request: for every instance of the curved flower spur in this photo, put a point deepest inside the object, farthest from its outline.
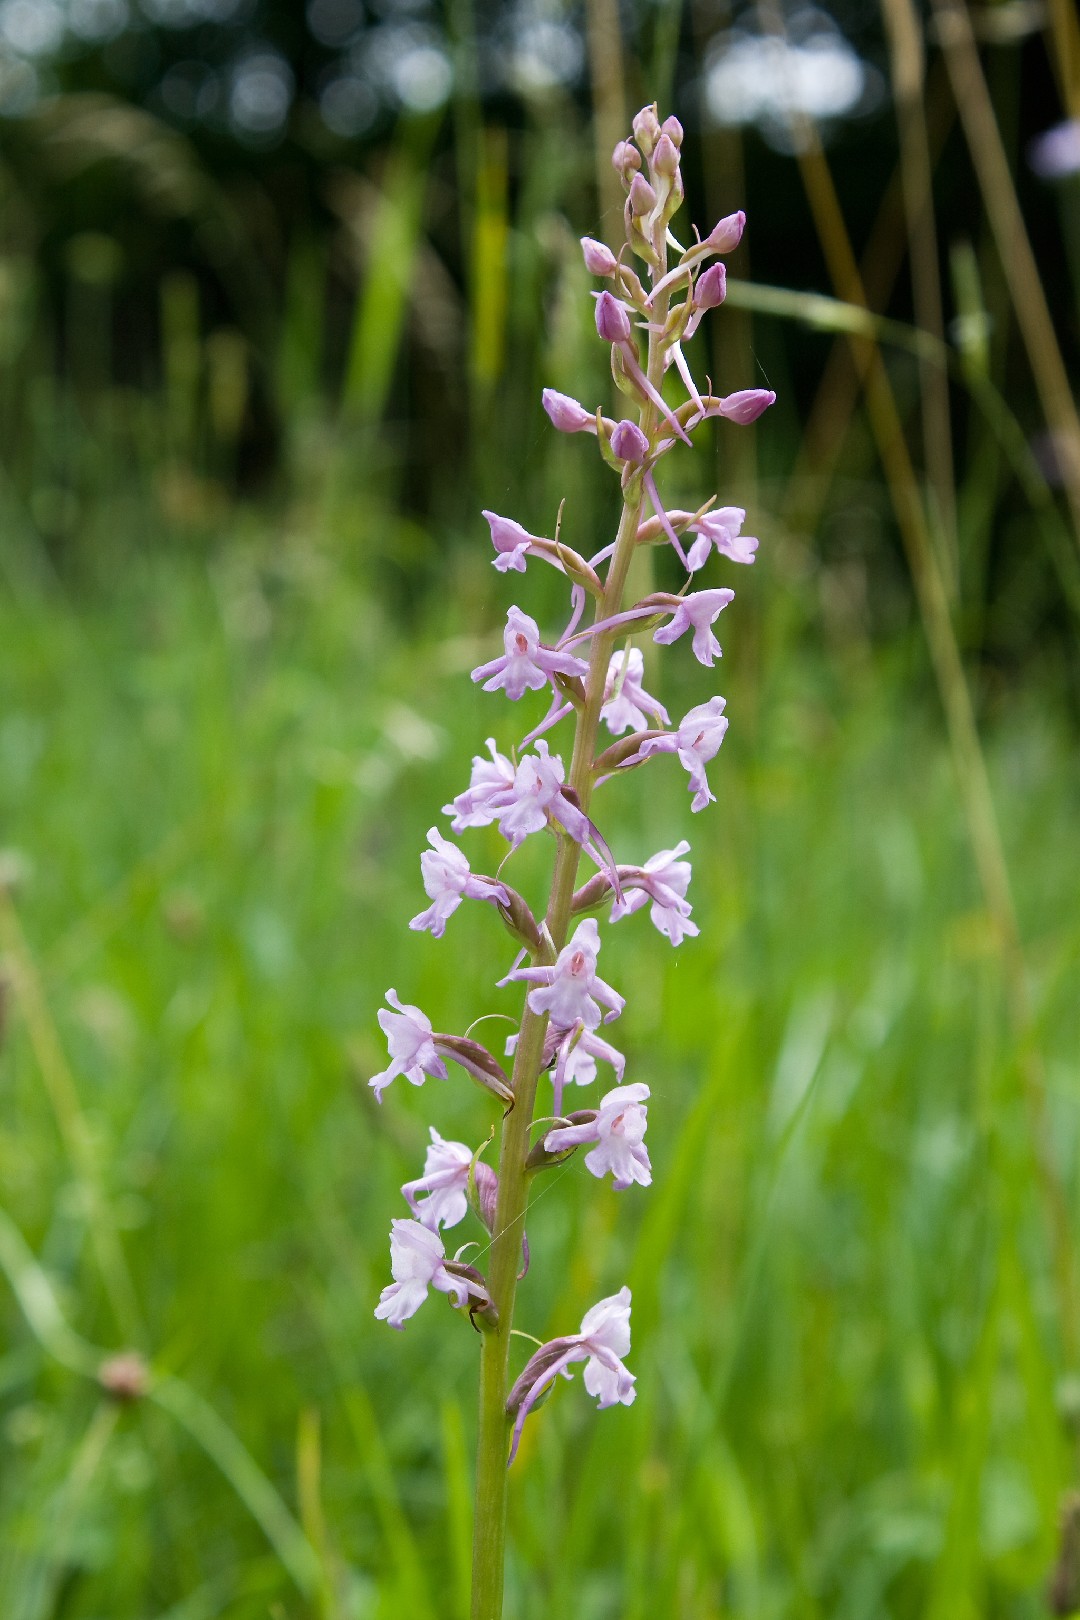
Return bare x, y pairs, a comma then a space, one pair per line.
593, 680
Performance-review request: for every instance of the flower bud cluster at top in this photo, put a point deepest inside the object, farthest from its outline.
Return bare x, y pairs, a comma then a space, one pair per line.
591, 683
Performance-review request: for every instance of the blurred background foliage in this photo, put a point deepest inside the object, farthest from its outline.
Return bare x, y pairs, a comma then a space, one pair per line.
279, 287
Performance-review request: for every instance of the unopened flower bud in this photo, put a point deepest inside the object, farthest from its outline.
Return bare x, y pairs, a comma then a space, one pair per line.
745, 406
711, 287
726, 234
626, 160
599, 259
612, 321
665, 159
566, 414
485, 1185
642, 196
629, 443
673, 130
647, 129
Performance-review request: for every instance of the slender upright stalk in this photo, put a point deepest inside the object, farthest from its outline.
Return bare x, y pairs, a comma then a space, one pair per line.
489, 1534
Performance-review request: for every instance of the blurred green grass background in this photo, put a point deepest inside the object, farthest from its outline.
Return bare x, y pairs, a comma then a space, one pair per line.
240, 593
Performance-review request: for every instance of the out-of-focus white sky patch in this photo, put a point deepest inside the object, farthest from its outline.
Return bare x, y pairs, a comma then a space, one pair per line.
406, 62
769, 80
97, 20
31, 27
544, 52
260, 94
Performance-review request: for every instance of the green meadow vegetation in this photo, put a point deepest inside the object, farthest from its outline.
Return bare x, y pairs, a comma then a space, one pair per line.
230, 708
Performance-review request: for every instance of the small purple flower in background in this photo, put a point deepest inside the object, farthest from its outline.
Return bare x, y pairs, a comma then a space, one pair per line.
627, 706
663, 880
417, 1263
412, 1050
602, 1343
448, 880
697, 612
721, 528
445, 1181
619, 1133
526, 664
570, 991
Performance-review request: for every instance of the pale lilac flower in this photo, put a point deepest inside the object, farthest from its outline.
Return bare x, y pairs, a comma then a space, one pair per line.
445, 1181
576, 1050
697, 612
567, 414
570, 990
627, 706
412, 1051
663, 880
698, 738
418, 1262
618, 1130
526, 663
511, 542
537, 792
628, 442
602, 1343
489, 783
599, 259
721, 528
448, 880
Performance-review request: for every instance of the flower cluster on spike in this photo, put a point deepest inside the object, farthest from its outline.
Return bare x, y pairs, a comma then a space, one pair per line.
593, 677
